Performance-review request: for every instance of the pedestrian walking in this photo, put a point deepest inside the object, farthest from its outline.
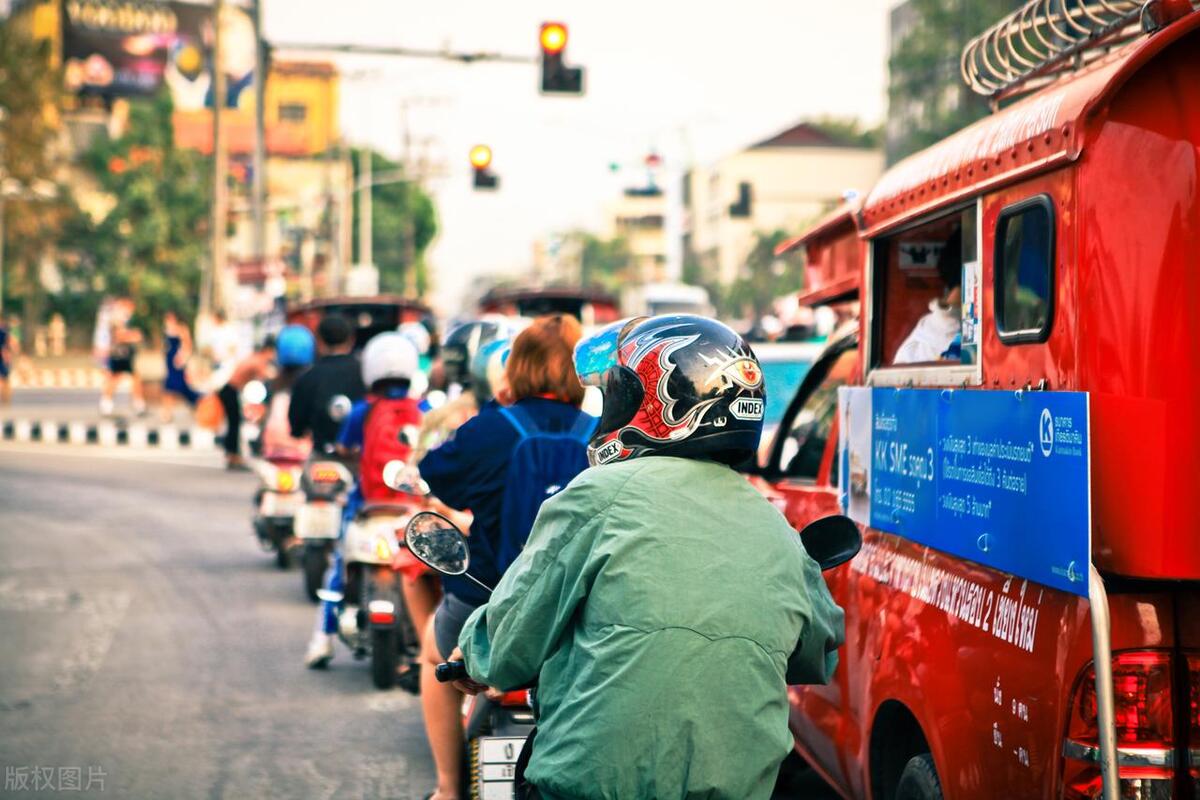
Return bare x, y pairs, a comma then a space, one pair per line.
8, 352
123, 341
258, 366
177, 349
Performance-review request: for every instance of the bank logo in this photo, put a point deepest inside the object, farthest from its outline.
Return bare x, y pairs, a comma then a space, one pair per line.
1046, 432
747, 408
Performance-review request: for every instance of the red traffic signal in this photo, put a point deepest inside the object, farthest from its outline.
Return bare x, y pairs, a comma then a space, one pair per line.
557, 77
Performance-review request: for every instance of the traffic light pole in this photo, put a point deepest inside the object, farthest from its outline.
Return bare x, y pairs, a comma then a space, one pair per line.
411, 52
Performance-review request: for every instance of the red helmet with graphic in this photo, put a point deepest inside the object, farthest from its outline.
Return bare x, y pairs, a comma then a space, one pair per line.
678, 385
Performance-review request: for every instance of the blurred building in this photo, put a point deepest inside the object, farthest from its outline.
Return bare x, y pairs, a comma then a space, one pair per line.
637, 217
116, 52
781, 183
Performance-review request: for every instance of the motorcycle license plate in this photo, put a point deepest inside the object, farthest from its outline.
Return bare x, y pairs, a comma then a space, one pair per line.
498, 766
275, 504
318, 521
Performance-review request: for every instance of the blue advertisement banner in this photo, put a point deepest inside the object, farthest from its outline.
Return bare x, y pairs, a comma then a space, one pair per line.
1000, 478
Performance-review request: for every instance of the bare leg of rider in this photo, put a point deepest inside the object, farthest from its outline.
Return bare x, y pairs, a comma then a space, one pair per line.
421, 596
442, 706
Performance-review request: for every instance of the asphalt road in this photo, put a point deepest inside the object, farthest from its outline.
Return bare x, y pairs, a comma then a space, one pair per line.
149, 644
151, 650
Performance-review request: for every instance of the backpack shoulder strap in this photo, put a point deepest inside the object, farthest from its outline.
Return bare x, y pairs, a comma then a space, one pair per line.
583, 427
519, 419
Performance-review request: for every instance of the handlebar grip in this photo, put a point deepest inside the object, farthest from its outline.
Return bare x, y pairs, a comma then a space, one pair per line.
449, 671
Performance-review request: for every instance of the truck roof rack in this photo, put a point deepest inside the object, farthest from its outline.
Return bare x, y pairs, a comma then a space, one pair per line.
1030, 47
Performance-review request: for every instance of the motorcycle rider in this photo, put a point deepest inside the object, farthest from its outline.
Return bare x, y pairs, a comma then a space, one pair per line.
337, 372
472, 471
661, 604
295, 349
389, 364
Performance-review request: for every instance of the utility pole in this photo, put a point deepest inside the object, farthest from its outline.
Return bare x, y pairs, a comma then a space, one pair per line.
260, 145
365, 254
216, 270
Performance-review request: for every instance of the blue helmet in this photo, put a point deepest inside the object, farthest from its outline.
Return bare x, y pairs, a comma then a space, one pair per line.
295, 347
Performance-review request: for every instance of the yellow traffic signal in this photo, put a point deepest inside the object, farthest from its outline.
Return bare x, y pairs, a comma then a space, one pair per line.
553, 37
481, 156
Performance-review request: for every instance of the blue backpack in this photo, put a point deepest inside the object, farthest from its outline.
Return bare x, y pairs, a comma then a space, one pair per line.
542, 464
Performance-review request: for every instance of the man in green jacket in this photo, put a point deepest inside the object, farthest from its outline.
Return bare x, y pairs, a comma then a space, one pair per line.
661, 604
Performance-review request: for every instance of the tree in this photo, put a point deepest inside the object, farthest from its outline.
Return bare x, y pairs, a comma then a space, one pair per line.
927, 99
767, 277
32, 225
850, 131
403, 225
603, 262
152, 243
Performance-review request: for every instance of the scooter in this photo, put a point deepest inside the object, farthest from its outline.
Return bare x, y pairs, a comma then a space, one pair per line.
325, 481
278, 496
500, 732
373, 620
276, 502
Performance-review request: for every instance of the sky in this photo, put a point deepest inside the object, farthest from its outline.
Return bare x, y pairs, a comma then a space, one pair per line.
691, 81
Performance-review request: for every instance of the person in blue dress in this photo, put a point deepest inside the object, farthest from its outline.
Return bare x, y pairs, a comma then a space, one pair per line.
177, 341
7, 350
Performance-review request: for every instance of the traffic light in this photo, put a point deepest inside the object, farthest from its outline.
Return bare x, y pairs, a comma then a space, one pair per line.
557, 77
481, 161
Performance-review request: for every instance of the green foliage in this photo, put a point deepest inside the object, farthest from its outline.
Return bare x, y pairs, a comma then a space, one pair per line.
32, 225
850, 131
602, 262
403, 225
924, 71
152, 244
767, 277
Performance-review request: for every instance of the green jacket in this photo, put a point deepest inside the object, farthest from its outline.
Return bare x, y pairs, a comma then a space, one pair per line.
658, 605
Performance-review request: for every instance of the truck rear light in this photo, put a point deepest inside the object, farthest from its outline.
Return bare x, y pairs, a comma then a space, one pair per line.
1193, 706
1142, 712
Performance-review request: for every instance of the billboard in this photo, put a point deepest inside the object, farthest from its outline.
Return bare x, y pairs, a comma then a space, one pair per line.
132, 48
1000, 478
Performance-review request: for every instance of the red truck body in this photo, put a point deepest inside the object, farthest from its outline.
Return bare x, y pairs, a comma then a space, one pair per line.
987, 673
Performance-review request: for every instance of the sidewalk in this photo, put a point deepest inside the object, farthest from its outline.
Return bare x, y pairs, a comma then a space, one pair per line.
65, 372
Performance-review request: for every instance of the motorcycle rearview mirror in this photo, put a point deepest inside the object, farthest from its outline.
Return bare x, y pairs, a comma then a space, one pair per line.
339, 407
831, 541
399, 477
393, 475
440, 545
254, 393
436, 399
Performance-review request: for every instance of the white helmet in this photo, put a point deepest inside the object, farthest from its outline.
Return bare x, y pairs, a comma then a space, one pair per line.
389, 356
418, 334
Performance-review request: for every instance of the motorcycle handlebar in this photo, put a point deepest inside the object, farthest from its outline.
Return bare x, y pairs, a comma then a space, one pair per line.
449, 671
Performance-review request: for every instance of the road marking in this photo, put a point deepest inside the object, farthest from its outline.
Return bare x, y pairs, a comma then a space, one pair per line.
117, 453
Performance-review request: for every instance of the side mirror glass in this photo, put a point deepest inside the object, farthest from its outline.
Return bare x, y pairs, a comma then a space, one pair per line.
436, 399
339, 407
831, 541
399, 477
254, 393
438, 543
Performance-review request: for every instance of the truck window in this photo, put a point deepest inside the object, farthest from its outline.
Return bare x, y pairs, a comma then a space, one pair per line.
809, 430
918, 276
1024, 268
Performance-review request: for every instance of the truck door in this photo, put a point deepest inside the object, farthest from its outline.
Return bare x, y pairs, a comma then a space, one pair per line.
803, 484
